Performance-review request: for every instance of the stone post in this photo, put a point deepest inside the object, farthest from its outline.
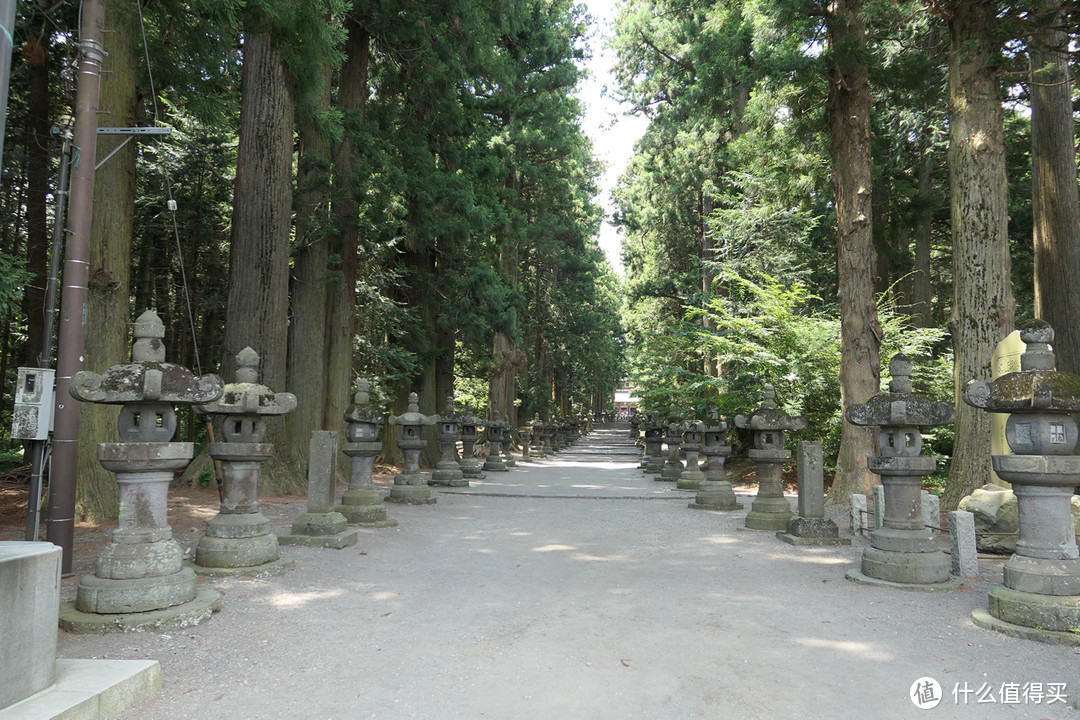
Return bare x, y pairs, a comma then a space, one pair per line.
448, 469
715, 492
525, 432
496, 429
810, 526
361, 503
321, 525
238, 540
902, 551
470, 466
770, 509
1040, 595
537, 437
410, 485
507, 440
140, 581
692, 476
653, 462
673, 466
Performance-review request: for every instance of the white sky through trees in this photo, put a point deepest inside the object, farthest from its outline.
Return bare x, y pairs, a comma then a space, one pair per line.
612, 131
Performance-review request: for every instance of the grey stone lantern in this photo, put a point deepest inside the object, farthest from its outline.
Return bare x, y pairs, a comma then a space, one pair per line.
410, 485
673, 466
448, 469
525, 432
770, 510
361, 503
903, 550
715, 492
537, 437
141, 569
653, 462
693, 436
238, 540
470, 466
1040, 595
635, 426
548, 438
496, 431
507, 440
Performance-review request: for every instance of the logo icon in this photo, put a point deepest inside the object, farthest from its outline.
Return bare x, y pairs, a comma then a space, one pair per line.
925, 693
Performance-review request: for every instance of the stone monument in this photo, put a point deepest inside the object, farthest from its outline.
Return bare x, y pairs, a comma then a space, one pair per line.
238, 540
361, 503
537, 437
139, 581
410, 485
525, 432
903, 551
448, 469
810, 526
770, 509
653, 462
321, 525
715, 492
1040, 595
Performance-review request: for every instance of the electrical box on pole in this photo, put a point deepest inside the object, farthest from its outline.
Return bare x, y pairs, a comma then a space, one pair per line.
34, 400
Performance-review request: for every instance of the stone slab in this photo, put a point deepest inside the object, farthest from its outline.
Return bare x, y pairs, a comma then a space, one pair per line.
270, 569
338, 541
879, 506
965, 556
931, 507
983, 618
857, 576
859, 523
195, 612
810, 464
90, 690
30, 601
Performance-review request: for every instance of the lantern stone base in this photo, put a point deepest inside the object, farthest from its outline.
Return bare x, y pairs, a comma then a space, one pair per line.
241, 540
448, 476
983, 618
907, 568
716, 496
812, 531
654, 465
671, 471
690, 479
205, 603
1055, 613
269, 569
494, 463
135, 595
769, 513
364, 507
411, 494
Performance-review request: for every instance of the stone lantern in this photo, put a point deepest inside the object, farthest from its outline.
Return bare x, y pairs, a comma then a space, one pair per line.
693, 435
410, 485
141, 570
361, 503
525, 432
903, 550
635, 426
537, 437
507, 440
470, 466
673, 466
1040, 596
653, 462
496, 431
548, 438
715, 492
238, 540
770, 509
448, 469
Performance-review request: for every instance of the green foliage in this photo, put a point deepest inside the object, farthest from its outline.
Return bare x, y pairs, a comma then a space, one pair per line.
13, 277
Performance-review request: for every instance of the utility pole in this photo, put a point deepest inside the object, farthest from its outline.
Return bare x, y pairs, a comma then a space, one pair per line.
60, 527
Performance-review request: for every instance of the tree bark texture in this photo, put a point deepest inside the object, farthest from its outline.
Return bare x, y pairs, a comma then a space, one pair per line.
921, 289
256, 312
40, 147
848, 113
982, 295
108, 306
1054, 197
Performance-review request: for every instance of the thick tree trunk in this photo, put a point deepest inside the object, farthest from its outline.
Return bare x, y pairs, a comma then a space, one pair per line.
921, 291
1054, 198
256, 313
108, 307
39, 149
982, 296
848, 112
308, 287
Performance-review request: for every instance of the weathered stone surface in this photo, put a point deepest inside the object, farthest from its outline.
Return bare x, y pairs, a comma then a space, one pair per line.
965, 557
997, 525
30, 598
135, 595
198, 610
859, 520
